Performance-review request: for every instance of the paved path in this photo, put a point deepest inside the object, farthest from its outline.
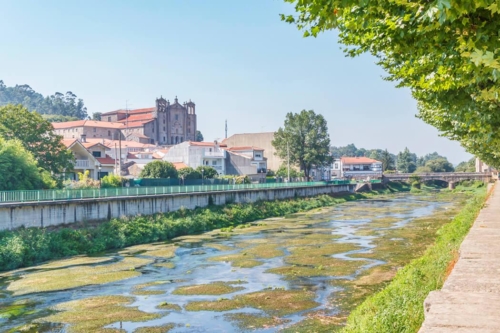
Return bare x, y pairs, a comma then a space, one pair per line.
470, 298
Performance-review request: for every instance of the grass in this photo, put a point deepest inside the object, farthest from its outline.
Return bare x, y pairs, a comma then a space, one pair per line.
92, 314
399, 306
156, 329
252, 321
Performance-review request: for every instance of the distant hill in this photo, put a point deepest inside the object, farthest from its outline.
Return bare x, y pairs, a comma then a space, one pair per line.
67, 105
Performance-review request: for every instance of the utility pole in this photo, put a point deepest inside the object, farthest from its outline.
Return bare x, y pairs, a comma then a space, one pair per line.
288, 159
120, 158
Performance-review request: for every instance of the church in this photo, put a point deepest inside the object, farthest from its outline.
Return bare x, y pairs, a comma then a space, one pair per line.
165, 124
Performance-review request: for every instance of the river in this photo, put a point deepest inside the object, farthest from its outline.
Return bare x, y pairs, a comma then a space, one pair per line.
298, 273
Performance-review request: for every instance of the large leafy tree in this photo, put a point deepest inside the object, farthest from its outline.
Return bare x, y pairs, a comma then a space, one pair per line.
37, 136
207, 171
189, 173
446, 52
159, 169
18, 167
387, 160
467, 166
305, 139
406, 161
439, 165
198, 136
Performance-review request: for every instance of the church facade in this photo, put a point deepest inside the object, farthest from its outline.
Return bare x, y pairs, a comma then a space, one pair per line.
165, 124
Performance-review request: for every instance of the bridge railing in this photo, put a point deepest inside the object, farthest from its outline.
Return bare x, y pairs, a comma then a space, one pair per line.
438, 174
72, 194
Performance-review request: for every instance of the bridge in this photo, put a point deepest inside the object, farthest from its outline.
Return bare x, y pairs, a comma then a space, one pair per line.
452, 178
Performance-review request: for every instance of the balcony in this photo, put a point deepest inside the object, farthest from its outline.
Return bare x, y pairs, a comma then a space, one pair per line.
82, 164
217, 167
214, 154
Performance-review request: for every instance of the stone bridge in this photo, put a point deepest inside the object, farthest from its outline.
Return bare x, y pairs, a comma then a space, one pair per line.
449, 177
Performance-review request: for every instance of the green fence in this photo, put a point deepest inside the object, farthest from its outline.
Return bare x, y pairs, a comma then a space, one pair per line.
53, 195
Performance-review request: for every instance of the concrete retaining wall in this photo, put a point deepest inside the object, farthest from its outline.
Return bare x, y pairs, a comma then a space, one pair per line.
44, 214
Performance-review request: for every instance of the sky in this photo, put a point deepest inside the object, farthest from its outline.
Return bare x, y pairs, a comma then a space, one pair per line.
235, 59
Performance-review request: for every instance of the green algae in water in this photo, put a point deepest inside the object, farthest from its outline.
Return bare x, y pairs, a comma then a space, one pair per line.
169, 306
156, 329
274, 302
92, 314
214, 288
251, 321
67, 278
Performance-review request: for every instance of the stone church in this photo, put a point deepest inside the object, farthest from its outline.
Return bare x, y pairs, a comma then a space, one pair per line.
165, 124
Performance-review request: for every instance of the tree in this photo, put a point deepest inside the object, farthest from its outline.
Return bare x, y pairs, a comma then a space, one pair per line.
189, 173
406, 161
207, 171
37, 136
439, 165
467, 166
57, 104
159, 169
18, 168
387, 161
96, 116
306, 136
55, 118
446, 52
283, 172
198, 136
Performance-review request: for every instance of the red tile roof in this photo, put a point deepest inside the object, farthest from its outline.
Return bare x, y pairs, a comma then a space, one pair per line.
137, 117
205, 144
68, 142
358, 160
87, 123
106, 160
143, 110
244, 148
179, 165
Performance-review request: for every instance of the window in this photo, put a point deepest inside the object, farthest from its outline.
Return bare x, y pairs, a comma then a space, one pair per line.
95, 129
258, 155
164, 129
172, 140
214, 162
109, 133
176, 117
153, 129
96, 153
109, 118
163, 139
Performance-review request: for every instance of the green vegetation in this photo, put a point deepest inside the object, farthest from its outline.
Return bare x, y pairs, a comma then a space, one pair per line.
58, 104
189, 173
198, 136
469, 166
112, 180
19, 169
445, 52
37, 136
159, 169
92, 314
207, 172
26, 247
398, 307
304, 139
215, 288
248, 321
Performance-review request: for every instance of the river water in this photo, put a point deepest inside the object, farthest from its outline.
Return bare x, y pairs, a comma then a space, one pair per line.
273, 274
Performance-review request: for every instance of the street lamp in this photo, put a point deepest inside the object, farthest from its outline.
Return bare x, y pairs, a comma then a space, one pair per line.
202, 171
99, 175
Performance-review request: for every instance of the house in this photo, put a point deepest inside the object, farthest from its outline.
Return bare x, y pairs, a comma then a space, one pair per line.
88, 128
91, 157
246, 160
356, 167
195, 154
484, 168
262, 140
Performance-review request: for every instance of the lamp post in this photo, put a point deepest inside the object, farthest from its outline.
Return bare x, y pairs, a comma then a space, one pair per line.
99, 175
202, 171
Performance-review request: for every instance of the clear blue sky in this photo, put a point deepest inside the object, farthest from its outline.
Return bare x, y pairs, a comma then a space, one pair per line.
235, 59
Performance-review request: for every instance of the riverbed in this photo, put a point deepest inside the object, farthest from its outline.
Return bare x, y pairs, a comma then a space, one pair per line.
302, 272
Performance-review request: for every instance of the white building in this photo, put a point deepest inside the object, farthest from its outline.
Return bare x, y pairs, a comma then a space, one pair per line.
195, 154
356, 167
89, 156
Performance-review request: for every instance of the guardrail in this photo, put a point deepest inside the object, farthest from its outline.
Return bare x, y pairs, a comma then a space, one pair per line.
54, 195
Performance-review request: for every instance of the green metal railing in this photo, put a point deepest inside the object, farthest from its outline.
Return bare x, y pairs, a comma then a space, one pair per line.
53, 195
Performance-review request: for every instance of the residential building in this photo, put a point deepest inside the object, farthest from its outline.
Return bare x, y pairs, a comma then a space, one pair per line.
262, 140
195, 154
483, 167
89, 129
356, 167
91, 157
246, 160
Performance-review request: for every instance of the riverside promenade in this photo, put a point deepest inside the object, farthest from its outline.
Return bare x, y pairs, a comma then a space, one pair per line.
470, 298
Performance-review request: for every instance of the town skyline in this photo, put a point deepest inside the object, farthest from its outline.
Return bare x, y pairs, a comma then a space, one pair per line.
249, 70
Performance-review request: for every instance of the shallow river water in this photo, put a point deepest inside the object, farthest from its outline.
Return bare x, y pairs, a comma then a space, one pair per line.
265, 276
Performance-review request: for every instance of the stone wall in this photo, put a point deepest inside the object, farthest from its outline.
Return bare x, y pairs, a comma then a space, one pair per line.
44, 214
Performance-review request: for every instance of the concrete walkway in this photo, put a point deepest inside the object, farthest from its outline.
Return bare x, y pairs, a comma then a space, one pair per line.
470, 298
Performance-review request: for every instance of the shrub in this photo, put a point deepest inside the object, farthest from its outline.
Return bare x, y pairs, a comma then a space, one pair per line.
112, 181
